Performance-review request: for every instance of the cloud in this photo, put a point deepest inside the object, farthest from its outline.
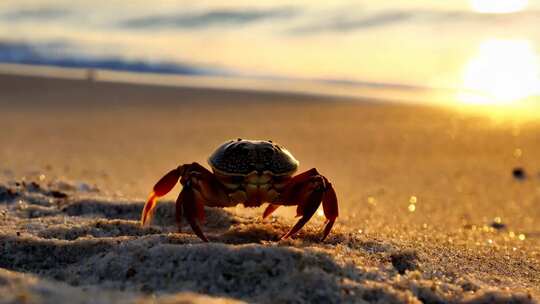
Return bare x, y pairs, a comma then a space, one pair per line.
36, 14
340, 23
207, 19
344, 22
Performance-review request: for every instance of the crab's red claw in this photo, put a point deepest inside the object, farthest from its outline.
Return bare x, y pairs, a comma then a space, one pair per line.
167, 182
330, 208
162, 187
148, 209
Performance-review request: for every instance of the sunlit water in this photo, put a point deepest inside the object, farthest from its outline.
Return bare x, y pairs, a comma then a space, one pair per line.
503, 78
503, 72
474, 53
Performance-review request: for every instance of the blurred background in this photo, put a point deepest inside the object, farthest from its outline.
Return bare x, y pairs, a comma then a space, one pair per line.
463, 52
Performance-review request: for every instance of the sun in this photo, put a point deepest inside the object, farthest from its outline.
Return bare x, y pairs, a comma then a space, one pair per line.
498, 6
503, 72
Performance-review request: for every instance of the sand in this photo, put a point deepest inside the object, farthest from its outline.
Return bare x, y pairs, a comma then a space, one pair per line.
430, 210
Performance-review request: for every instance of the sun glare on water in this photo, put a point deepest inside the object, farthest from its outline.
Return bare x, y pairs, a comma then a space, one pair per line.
498, 6
503, 73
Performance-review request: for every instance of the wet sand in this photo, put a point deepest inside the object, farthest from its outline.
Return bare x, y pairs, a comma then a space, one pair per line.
429, 208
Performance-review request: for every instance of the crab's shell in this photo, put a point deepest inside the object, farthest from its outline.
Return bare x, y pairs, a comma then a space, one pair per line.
241, 157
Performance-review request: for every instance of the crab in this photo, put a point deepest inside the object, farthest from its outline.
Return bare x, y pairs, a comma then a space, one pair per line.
248, 172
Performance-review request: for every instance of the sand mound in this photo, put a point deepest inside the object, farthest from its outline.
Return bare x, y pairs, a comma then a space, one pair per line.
74, 242
25, 288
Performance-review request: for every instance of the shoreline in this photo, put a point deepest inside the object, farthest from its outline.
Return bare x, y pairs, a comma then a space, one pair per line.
523, 111
375, 92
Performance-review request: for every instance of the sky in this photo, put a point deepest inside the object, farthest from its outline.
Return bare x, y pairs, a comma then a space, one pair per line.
486, 50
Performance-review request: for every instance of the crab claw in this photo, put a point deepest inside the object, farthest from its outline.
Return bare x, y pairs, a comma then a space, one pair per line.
162, 187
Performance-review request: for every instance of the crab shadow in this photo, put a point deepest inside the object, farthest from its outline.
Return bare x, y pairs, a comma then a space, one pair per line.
103, 218
109, 218
113, 219
100, 218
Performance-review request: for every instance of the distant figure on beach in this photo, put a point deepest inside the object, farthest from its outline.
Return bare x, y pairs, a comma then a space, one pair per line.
91, 75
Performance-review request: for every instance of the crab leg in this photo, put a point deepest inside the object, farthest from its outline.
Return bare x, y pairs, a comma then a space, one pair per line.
193, 208
307, 190
200, 187
295, 188
271, 208
179, 211
330, 207
293, 191
190, 175
306, 209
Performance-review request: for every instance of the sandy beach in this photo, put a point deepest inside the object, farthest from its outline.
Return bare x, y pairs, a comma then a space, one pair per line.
436, 205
